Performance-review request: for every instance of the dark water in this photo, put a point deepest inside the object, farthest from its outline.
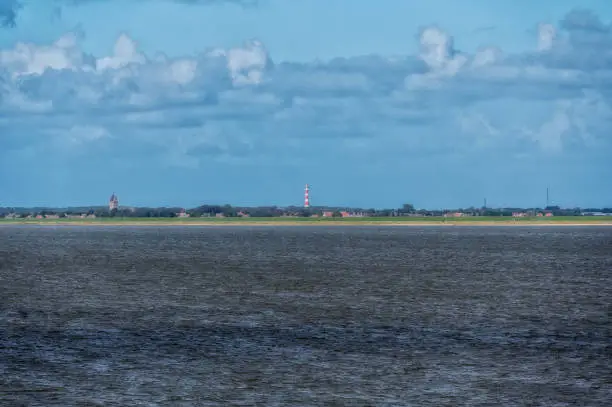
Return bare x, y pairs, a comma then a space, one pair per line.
305, 316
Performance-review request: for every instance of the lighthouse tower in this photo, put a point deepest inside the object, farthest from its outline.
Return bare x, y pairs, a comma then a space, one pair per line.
307, 197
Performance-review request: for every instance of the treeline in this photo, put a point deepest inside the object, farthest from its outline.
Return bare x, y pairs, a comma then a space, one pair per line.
405, 210
97, 212
274, 211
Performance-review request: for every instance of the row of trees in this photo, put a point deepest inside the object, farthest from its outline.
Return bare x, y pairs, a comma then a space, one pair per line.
273, 211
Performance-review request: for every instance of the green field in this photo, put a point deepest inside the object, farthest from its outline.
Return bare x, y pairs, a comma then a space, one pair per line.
293, 221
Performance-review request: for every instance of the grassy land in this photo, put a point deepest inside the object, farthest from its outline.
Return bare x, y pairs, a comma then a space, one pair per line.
313, 221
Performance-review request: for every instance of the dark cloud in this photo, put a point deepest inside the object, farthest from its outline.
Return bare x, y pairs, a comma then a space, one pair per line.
585, 44
8, 12
192, 2
9, 9
584, 20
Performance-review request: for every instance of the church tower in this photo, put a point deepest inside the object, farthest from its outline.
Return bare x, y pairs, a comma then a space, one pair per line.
113, 202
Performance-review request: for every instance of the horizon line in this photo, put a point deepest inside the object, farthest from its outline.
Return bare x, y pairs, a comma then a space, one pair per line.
295, 206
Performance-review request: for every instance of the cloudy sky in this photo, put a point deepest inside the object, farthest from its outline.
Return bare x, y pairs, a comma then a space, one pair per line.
440, 103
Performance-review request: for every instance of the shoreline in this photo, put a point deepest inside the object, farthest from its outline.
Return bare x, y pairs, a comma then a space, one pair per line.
306, 223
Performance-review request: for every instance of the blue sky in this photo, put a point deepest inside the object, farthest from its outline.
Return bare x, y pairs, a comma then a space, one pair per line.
440, 103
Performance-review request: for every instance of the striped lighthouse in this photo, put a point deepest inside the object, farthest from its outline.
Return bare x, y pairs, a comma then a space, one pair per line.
307, 197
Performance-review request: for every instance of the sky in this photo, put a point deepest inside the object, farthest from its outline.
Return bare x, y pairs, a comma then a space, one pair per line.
438, 103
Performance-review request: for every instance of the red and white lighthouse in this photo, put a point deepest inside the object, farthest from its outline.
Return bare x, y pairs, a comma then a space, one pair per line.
307, 197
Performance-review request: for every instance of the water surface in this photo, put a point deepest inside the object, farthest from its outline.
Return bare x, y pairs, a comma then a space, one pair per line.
271, 316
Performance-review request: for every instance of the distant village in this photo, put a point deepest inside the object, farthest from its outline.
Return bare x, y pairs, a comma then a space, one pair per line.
113, 209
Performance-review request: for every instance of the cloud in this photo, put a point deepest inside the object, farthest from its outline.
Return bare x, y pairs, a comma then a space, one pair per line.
8, 12
546, 37
243, 3
580, 20
237, 106
9, 9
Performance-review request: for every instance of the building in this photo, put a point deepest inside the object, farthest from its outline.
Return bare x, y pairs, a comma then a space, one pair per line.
455, 215
346, 214
113, 202
182, 214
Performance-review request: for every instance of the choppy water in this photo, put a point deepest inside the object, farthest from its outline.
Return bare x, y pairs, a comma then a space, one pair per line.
305, 316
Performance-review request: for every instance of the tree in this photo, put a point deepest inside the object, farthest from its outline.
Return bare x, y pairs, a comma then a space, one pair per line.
304, 213
228, 211
407, 208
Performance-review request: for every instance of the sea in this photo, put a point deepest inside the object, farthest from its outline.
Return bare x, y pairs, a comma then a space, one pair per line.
305, 316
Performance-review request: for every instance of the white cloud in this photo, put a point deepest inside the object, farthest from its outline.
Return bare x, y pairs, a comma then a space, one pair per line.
417, 103
30, 59
438, 52
436, 47
125, 53
546, 37
551, 133
183, 71
486, 57
247, 64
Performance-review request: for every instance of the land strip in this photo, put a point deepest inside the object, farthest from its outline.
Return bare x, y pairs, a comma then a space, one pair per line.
289, 221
